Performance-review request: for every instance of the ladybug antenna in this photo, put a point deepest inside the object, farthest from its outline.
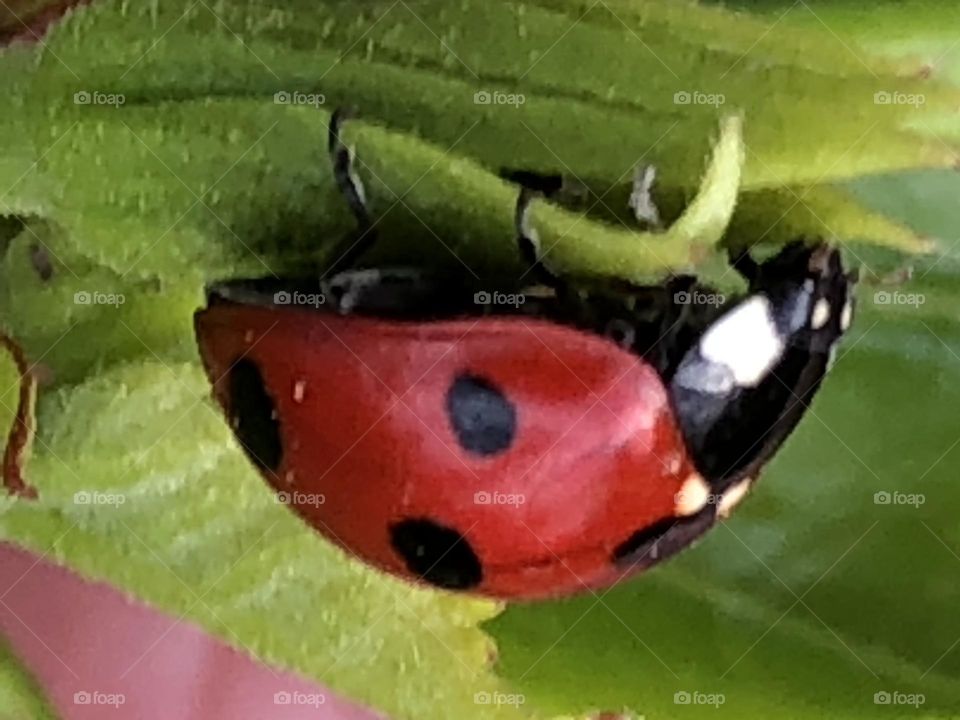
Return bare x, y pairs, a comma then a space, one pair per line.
20, 438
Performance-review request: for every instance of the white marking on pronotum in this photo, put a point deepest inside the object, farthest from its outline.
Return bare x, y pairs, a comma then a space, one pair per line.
693, 496
732, 497
821, 314
745, 341
298, 390
846, 316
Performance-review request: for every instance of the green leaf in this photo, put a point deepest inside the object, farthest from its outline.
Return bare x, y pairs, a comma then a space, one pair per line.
774, 215
611, 70
19, 694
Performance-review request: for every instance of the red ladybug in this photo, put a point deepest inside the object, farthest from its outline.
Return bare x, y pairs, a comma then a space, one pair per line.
517, 445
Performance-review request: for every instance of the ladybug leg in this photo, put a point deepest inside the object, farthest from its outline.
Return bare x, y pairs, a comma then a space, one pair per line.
353, 191
553, 186
20, 438
528, 243
744, 264
644, 208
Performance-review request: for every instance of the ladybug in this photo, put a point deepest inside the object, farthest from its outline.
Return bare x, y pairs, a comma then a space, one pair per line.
518, 448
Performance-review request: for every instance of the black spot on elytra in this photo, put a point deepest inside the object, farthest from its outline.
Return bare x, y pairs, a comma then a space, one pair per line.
253, 415
483, 419
439, 555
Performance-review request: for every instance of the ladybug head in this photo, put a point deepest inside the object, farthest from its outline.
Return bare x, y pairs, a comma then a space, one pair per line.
742, 387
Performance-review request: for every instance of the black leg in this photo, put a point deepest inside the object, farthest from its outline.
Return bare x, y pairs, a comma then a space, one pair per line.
744, 264
564, 190
351, 187
529, 244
